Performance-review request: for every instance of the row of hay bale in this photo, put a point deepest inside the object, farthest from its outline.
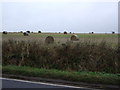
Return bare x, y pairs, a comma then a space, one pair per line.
32, 32
50, 39
67, 33
41, 32
105, 33
27, 32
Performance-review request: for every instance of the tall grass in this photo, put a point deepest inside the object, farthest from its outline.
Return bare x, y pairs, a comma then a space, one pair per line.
82, 56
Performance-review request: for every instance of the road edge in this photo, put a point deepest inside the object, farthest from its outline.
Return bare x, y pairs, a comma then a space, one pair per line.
58, 81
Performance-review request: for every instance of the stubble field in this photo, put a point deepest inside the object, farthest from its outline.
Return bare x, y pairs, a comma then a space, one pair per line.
62, 38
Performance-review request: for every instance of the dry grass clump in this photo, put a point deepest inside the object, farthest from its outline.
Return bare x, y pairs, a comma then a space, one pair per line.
49, 40
68, 56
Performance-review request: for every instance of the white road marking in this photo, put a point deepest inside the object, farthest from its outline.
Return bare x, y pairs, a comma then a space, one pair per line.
43, 83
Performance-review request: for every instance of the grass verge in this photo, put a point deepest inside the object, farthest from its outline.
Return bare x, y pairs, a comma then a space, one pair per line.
83, 76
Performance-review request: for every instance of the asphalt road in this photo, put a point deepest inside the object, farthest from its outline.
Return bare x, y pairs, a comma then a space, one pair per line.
14, 83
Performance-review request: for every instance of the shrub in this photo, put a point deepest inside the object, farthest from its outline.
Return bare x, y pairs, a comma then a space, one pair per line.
69, 56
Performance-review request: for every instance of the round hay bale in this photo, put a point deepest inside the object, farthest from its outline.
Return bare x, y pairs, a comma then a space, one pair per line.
113, 32
74, 38
25, 34
4, 32
49, 40
39, 32
28, 31
65, 32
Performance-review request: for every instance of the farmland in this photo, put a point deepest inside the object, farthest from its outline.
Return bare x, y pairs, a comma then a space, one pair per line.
62, 38
93, 52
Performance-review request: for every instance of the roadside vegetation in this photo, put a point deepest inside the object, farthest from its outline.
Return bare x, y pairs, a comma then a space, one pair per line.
83, 76
67, 56
94, 58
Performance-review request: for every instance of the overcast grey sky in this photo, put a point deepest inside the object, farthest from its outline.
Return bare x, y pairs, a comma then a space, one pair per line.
79, 17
